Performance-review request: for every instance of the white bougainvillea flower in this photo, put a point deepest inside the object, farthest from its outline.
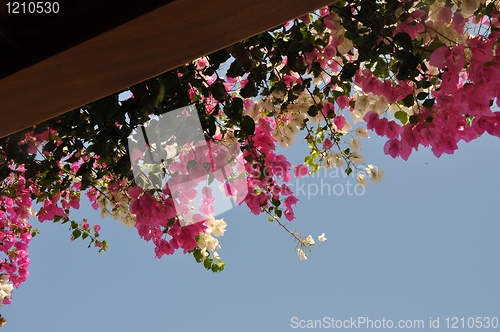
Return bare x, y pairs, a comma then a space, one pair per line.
361, 180
381, 105
219, 227
355, 145
208, 242
322, 238
309, 240
345, 47
5, 288
210, 221
327, 161
376, 174
361, 132
302, 254
356, 158
468, 7
128, 220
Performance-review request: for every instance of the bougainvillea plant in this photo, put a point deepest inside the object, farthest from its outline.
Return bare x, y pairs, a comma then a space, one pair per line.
421, 73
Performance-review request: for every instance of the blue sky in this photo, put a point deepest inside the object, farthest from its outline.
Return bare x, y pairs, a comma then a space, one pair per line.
421, 244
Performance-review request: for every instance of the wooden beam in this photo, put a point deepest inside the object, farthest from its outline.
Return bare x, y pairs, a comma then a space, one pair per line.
144, 47
42, 36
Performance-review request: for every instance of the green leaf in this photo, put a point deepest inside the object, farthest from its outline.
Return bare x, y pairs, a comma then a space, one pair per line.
218, 57
218, 267
422, 95
307, 46
207, 263
351, 25
348, 72
248, 125
408, 65
267, 39
409, 101
413, 119
401, 116
211, 178
313, 111
235, 70
198, 256
404, 40
426, 84
351, 35
308, 160
293, 48
192, 163
428, 103
158, 93
229, 111
237, 105
249, 90
49, 146
76, 233
219, 91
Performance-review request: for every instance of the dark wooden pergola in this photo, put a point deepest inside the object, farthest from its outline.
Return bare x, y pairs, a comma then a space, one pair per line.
52, 63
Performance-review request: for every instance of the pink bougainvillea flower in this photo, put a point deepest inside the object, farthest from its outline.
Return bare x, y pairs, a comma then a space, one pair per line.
342, 101
330, 20
412, 25
163, 247
327, 144
459, 22
392, 130
446, 145
289, 214
429, 136
285, 190
453, 59
370, 118
305, 19
202, 63
445, 15
410, 136
339, 121
324, 11
392, 148
301, 170
326, 108
330, 51
481, 49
